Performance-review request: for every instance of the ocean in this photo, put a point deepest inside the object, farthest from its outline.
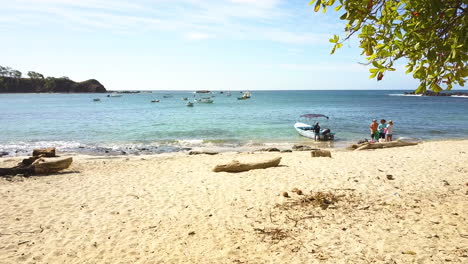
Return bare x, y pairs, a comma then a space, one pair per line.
132, 124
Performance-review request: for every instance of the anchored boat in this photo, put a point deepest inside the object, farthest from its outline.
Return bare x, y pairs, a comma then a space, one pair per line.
204, 100
306, 128
245, 96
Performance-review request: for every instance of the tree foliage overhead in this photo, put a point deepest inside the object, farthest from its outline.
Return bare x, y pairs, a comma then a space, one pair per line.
431, 36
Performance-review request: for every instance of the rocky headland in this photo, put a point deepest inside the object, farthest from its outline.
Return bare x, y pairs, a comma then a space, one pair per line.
49, 85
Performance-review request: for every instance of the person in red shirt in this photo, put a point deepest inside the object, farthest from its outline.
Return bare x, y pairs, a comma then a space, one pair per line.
374, 130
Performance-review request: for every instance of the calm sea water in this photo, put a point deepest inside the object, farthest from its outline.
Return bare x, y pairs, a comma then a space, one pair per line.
74, 122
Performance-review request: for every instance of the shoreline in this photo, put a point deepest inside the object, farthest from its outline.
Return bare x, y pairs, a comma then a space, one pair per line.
138, 149
400, 205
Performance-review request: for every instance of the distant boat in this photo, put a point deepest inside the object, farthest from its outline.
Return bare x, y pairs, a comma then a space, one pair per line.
167, 96
205, 100
202, 92
184, 98
189, 104
97, 100
114, 95
245, 96
155, 101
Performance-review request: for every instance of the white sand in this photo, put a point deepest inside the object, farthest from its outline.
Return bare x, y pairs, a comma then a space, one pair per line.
173, 209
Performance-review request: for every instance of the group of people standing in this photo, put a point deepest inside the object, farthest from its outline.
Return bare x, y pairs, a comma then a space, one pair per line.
383, 130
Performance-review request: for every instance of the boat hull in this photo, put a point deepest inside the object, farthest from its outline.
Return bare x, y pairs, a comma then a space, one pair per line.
309, 133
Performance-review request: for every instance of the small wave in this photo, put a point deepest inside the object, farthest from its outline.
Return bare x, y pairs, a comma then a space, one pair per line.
460, 96
189, 142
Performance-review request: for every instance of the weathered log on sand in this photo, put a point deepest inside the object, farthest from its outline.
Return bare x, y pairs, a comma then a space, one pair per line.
236, 166
320, 153
47, 166
379, 145
16, 171
194, 152
40, 166
47, 152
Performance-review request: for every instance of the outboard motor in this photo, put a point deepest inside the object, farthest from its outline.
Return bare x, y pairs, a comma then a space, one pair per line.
326, 131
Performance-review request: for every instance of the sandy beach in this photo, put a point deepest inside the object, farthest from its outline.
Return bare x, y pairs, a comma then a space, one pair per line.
399, 205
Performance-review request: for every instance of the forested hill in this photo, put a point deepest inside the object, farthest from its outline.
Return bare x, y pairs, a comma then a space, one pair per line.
49, 85
11, 81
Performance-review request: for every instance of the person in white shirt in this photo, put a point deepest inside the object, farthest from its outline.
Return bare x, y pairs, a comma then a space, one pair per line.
389, 131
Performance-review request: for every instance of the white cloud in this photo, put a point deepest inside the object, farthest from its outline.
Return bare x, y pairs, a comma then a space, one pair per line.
197, 36
266, 20
327, 67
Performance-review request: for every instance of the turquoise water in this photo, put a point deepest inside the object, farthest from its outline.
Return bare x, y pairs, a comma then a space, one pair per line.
75, 122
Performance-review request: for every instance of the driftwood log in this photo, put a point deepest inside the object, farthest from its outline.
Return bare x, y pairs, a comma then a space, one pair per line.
47, 152
379, 145
236, 166
194, 152
38, 165
320, 153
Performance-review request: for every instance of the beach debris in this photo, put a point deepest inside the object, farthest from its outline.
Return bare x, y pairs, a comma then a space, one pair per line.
41, 164
236, 166
194, 152
390, 177
269, 150
302, 148
320, 153
297, 191
408, 252
191, 233
47, 152
285, 194
275, 234
379, 145
286, 150
446, 183
362, 141
319, 199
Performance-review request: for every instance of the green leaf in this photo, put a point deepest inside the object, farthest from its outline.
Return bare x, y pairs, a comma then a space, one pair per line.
421, 88
435, 87
312, 2
338, 8
317, 6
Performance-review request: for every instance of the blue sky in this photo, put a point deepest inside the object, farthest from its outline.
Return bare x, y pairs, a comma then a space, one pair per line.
185, 45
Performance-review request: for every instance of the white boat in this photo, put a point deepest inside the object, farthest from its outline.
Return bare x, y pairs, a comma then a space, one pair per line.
307, 130
155, 101
189, 104
202, 92
114, 95
205, 100
245, 96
